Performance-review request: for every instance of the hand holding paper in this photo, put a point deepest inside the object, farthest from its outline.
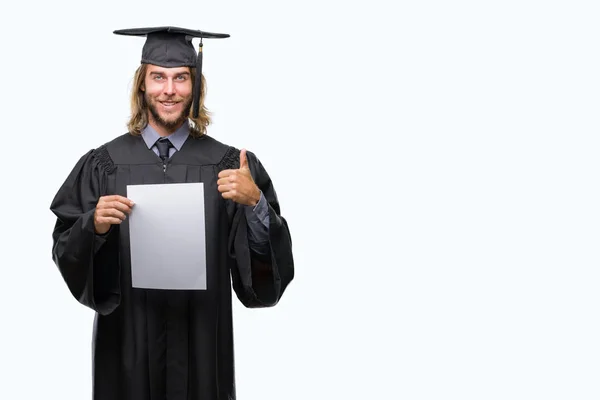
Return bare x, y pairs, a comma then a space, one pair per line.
111, 210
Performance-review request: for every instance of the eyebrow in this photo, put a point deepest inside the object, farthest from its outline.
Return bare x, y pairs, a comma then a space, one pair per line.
162, 73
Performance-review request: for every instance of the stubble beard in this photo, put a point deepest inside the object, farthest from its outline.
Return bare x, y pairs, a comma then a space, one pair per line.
171, 124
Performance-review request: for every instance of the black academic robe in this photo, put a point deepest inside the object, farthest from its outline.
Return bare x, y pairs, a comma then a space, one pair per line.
157, 344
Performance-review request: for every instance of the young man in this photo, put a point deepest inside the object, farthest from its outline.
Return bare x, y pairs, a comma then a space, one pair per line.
169, 344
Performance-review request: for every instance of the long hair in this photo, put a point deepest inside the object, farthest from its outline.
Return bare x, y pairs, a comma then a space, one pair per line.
139, 109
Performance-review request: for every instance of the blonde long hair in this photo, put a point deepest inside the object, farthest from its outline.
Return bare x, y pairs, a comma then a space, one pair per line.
139, 108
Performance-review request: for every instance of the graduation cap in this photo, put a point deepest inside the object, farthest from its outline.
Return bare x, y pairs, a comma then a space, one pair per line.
169, 47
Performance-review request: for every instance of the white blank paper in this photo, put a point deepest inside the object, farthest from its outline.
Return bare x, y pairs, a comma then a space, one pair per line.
166, 230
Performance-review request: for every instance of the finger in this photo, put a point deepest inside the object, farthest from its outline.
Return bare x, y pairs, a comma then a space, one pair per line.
225, 173
111, 212
227, 180
125, 201
109, 220
109, 198
114, 205
243, 159
120, 206
225, 188
230, 194
116, 197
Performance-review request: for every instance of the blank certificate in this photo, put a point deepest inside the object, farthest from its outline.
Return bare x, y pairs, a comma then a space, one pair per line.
167, 236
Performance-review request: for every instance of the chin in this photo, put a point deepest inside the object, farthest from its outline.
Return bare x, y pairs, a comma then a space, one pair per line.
170, 118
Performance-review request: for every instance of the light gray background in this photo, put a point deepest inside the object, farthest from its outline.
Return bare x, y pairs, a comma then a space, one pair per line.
437, 163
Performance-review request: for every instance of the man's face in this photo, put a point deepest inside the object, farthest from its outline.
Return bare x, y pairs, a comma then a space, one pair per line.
168, 93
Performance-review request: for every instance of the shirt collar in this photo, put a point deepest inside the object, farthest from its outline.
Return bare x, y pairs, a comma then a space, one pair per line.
177, 138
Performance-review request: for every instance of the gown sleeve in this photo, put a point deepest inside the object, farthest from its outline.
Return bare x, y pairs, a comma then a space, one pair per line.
259, 280
88, 262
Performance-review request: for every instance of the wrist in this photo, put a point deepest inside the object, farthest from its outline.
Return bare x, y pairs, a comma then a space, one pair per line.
256, 198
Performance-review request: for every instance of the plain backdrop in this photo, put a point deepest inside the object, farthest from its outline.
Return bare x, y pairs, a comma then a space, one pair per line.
437, 163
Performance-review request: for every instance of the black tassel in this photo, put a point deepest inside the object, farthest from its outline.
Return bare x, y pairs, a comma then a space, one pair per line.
198, 83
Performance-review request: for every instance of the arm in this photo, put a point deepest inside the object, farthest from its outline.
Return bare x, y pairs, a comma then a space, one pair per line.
87, 261
260, 280
257, 218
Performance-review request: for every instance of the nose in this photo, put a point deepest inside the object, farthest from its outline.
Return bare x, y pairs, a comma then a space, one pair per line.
169, 87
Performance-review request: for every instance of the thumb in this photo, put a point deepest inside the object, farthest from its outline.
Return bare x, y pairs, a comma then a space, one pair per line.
243, 159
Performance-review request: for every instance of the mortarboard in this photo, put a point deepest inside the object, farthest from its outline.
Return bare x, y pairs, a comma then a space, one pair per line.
169, 47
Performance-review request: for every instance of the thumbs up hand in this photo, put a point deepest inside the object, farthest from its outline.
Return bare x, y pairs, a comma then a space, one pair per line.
238, 185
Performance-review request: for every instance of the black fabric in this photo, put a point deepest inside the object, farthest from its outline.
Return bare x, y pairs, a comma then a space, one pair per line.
198, 83
163, 145
169, 46
155, 344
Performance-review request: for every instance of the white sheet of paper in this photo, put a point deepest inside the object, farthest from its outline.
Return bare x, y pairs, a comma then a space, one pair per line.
166, 231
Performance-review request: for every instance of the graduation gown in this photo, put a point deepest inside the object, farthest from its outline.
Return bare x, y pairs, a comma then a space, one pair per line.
165, 344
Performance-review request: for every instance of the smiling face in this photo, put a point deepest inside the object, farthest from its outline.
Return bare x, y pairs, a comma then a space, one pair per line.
168, 94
